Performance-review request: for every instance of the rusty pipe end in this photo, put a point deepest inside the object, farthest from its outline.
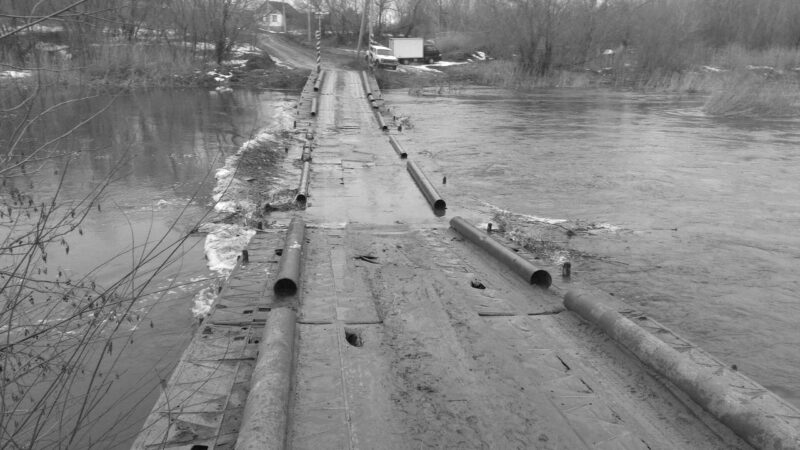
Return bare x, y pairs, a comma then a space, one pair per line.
285, 287
541, 278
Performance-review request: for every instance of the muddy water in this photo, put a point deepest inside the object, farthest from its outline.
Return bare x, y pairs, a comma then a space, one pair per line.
164, 149
691, 219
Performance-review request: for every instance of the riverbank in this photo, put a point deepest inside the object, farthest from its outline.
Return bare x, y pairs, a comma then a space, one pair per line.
139, 65
745, 91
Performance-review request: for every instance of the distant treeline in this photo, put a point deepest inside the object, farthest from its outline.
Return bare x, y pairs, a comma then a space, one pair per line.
540, 35
658, 35
82, 24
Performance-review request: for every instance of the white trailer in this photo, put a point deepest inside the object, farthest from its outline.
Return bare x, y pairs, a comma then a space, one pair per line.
407, 50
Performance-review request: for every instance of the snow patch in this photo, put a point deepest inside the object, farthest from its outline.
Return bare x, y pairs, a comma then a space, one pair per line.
14, 74
446, 64
234, 62
280, 63
240, 50
417, 69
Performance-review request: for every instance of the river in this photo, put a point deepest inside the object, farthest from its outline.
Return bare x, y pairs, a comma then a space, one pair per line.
170, 152
691, 219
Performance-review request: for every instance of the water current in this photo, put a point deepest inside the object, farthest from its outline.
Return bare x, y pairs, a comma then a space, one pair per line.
172, 154
691, 219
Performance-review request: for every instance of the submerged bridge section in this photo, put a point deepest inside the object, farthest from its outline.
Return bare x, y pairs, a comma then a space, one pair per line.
376, 318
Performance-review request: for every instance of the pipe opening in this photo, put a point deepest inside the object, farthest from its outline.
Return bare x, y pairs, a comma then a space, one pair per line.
301, 199
403, 155
199, 447
541, 278
285, 286
353, 337
439, 204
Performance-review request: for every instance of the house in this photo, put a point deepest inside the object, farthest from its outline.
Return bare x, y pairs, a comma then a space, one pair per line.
282, 17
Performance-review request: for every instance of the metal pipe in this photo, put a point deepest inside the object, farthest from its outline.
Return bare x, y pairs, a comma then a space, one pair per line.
382, 123
518, 264
302, 190
426, 187
306, 156
758, 420
318, 82
365, 81
398, 148
289, 265
266, 410
314, 106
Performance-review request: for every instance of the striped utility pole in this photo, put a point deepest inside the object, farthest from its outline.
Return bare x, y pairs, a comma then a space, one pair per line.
319, 41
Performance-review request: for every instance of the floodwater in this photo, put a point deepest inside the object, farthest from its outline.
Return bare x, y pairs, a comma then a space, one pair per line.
691, 219
166, 151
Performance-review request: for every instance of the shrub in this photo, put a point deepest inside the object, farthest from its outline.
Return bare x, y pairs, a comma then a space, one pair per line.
748, 94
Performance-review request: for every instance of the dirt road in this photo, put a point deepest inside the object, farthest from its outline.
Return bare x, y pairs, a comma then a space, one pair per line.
281, 48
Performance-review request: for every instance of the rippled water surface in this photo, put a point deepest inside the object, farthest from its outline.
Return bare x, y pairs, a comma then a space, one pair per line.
163, 148
691, 219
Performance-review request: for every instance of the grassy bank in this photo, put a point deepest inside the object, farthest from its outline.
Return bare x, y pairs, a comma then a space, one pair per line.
142, 64
739, 82
748, 94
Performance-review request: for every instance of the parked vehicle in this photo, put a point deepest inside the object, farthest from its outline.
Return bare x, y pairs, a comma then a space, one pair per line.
381, 57
431, 53
408, 50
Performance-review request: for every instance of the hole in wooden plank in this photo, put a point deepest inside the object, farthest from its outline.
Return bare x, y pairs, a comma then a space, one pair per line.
476, 283
353, 337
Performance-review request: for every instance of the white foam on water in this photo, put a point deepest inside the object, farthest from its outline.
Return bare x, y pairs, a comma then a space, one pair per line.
203, 301
224, 242
526, 217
